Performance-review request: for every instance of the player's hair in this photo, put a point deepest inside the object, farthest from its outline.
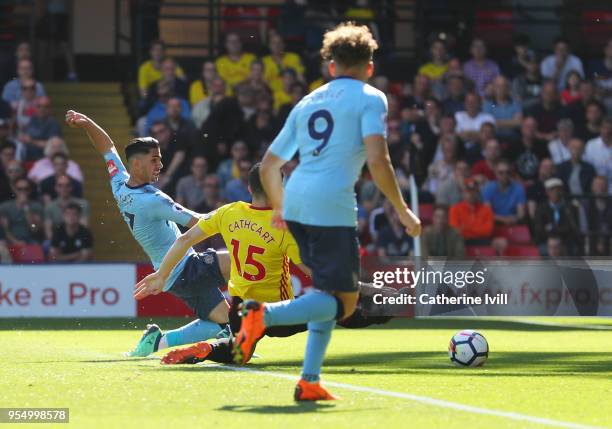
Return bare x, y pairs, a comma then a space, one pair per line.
349, 45
255, 181
140, 146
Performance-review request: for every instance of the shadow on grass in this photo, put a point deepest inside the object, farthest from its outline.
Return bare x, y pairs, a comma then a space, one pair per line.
511, 364
297, 408
140, 323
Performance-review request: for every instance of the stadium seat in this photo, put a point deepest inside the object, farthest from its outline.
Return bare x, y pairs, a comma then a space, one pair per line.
480, 251
597, 29
235, 20
426, 213
517, 234
27, 254
531, 252
494, 26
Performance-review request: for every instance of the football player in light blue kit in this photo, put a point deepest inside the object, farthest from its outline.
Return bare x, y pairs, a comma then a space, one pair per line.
152, 217
335, 129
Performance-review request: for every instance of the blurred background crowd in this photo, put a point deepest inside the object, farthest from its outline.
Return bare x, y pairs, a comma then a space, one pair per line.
511, 155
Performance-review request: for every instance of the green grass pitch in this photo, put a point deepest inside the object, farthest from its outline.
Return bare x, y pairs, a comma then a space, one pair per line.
558, 369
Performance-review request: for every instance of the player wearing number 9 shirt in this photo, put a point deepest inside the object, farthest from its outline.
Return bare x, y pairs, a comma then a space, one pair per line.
335, 129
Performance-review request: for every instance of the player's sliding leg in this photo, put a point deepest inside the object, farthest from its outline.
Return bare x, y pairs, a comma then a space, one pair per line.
198, 286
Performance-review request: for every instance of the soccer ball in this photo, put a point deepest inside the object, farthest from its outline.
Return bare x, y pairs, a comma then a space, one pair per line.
468, 348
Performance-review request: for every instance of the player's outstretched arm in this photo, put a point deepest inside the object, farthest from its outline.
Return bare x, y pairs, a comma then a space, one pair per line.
272, 181
154, 282
382, 172
98, 137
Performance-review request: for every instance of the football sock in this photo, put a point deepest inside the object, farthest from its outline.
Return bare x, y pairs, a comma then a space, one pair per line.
319, 334
312, 307
198, 330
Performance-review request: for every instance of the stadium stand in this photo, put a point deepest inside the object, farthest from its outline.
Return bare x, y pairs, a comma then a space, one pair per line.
480, 104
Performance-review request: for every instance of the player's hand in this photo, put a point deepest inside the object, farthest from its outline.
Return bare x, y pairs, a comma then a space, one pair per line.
410, 221
277, 220
76, 119
150, 285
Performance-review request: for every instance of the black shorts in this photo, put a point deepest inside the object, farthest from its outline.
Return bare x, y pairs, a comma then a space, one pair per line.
198, 285
332, 253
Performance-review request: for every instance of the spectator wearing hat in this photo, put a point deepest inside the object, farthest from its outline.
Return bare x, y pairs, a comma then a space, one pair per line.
473, 219
439, 239
505, 196
575, 173
556, 217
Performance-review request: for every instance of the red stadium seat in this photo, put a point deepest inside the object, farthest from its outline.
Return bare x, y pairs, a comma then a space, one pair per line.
517, 234
480, 251
426, 213
531, 252
494, 26
236, 20
596, 28
27, 254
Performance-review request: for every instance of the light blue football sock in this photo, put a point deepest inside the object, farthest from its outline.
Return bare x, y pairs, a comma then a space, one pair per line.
319, 334
198, 330
312, 307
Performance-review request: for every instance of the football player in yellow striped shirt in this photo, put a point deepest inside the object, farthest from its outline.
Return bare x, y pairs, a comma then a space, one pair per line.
259, 253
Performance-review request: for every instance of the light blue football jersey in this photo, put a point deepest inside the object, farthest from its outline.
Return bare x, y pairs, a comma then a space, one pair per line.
327, 127
150, 214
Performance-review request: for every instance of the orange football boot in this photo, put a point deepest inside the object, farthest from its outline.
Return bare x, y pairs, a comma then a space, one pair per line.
251, 331
305, 391
193, 354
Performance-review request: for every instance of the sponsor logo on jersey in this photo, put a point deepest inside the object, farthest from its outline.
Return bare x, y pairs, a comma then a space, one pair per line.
111, 167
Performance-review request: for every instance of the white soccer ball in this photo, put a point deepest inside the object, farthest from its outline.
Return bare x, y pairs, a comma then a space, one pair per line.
468, 348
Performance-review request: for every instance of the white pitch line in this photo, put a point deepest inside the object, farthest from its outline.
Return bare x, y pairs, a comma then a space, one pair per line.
422, 399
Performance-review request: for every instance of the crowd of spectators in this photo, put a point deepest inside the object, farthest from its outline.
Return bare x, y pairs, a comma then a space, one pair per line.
525, 142
491, 145
41, 188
